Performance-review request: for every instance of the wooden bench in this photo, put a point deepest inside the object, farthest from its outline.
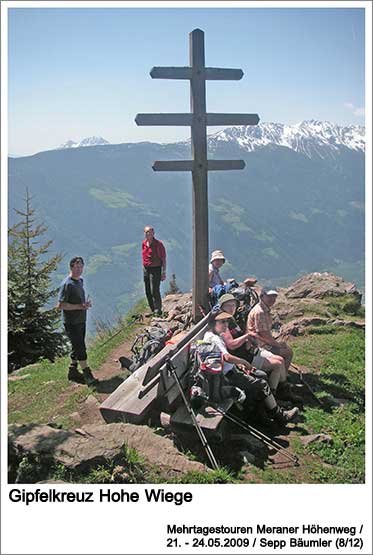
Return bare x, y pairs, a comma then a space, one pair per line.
137, 396
210, 420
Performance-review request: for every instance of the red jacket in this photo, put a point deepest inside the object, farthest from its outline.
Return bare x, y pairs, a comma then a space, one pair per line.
154, 255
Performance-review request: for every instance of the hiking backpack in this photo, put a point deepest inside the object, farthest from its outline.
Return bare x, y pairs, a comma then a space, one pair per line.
207, 383
147, 345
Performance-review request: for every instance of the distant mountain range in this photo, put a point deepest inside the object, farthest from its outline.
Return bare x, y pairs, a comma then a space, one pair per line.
312, 138
297, 207
88, 141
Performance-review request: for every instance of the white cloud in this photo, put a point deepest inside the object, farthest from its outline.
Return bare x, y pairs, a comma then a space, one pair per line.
360, 112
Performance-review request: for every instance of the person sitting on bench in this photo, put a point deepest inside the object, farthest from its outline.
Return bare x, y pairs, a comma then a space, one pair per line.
240, 373
259, 325
245, 346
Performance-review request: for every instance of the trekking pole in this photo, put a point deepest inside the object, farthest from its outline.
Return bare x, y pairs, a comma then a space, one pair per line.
135, 318
259, 435
300, 373
201, 435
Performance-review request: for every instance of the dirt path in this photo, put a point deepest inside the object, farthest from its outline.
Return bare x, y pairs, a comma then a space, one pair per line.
110, 376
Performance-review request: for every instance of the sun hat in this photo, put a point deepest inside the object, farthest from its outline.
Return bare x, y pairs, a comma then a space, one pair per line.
217, 255
268, 291
222, 316
226, 298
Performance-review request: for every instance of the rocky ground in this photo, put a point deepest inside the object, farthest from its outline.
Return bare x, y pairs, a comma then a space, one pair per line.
321, 301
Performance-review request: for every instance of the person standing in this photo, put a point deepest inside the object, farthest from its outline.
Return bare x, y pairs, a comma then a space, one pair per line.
154, 265
74, 305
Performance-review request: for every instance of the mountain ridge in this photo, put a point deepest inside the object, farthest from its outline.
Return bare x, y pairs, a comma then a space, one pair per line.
286, 214
86, 142
309, 137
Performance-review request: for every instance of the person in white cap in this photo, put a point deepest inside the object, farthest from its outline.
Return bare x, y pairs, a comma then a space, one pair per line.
259, 325
244, 345
216, 262
240, 373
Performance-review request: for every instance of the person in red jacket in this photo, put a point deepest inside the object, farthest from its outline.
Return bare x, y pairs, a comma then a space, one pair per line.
154, 264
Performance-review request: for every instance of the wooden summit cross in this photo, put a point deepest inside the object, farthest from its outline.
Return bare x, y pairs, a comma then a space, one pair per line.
199, 165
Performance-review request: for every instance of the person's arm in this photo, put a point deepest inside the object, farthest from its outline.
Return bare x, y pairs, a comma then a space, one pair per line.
233, 344
69, 306
237, 361
267, 338
211, 272
261, 330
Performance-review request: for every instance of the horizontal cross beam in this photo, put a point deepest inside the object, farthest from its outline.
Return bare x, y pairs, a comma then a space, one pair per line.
164, 119
188, 165
187, 119
210, 73
232, 119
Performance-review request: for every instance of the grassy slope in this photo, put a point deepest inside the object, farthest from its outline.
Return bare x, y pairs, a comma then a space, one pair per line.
42, 396
335, 359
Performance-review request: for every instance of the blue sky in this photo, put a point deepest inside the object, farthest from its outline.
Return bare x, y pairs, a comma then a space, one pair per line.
80, 72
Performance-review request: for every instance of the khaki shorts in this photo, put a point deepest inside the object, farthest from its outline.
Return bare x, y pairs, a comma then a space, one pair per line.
260, 358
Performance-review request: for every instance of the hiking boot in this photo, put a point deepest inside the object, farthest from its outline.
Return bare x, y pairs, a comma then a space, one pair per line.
285, 416
285, 393
89, 378
74, 375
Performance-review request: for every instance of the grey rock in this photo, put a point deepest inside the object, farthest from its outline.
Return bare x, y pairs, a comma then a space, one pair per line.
322, 438
97, 444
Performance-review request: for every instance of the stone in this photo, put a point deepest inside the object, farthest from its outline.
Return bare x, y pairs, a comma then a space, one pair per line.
75, 416
318, 285
98, 444
12, 378
92, 401
52, 482
120, 475
358, 324
297, 327
322, 438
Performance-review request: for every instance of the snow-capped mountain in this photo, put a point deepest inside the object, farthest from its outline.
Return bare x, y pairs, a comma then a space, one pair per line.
88, 141
312, 138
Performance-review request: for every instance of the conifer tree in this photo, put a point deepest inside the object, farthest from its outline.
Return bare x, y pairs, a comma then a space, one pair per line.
33, 326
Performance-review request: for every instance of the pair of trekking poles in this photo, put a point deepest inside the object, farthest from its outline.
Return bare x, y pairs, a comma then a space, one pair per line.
231, 418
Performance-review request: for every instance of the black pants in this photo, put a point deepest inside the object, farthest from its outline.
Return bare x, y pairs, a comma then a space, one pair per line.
255, 388
152, 280
76, 334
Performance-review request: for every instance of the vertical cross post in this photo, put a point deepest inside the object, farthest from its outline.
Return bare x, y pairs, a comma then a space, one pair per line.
199, 165
199, 172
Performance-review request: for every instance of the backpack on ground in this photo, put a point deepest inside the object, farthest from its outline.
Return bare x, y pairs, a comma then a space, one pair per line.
145, 346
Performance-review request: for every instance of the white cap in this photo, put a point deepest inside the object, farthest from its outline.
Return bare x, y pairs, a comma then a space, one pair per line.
268, 291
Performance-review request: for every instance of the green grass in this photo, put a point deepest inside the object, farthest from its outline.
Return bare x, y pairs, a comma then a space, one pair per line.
129, 467
344, 307
337, 361
36, 398
220, 476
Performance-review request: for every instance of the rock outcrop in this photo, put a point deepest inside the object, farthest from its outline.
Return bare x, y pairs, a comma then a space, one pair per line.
94, 445
318, 285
